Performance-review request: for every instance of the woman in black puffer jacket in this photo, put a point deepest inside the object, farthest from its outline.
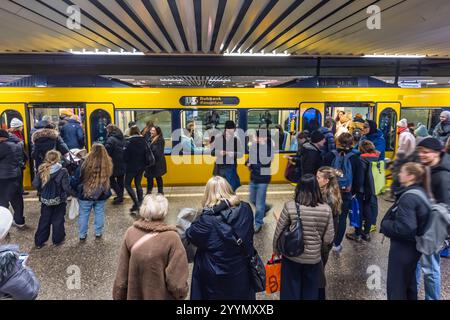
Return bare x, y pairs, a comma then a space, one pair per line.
115, 144
159, 169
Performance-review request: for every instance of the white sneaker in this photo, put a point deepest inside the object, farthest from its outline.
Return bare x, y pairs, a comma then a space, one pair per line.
337, 249
20, 226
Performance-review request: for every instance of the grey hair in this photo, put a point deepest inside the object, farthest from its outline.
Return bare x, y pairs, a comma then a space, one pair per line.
154, 207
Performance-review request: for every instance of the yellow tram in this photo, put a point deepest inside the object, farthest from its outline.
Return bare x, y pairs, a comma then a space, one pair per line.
294, 109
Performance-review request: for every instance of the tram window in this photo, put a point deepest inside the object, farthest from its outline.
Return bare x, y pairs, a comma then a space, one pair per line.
55, 113
311, 120
160, 118
206, 124
350, 115
98, 120
286, 121
7, 116
426, 116
387, 124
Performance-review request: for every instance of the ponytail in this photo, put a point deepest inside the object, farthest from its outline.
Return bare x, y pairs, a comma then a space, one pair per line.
52, 157
422, 175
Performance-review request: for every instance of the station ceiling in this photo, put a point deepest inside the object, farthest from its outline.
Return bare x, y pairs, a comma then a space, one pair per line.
214, 27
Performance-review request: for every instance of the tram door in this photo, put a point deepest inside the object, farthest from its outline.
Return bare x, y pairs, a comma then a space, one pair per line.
8, 112
98, 116
311, 115
387, 115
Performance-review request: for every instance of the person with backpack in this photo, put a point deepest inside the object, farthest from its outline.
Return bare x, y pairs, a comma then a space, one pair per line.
300, 275
91, 182
311, 154
44, 140
159, 168
221, 271
327, 177
403, 223
53, 187
431, 155
115, 144
367, 198
135, 153
327, 131
152, 260
347, 161
375, 135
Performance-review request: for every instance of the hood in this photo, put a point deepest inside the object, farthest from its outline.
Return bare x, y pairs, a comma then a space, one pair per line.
14, 138
44, 133
117, 134
55, 168
8, 259
444, 165
310, 146
376, 135
153, 226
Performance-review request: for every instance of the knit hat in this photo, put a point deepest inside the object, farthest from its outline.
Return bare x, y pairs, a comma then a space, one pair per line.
421, 131
16, 123
229, 124
402, 123
431, 143
445, 114
4, 133
6, 220
317, 136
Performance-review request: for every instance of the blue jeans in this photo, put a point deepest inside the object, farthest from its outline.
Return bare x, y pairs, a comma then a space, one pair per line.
258, 193
430, 265
85, 211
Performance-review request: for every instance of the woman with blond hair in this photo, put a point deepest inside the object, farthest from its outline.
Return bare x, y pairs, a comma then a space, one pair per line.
52, 184
91, 181
403, 223
221, 270
152, 260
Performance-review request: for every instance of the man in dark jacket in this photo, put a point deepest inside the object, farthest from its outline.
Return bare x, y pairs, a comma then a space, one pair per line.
327, 131
431, 155
442, 129
115, 144
11, 155
45, 140
72, 133
311, 154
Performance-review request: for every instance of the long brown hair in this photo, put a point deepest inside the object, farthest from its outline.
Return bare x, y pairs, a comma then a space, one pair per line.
421, 175
158, 134
331, 192
148, 126
96, 170
52, 157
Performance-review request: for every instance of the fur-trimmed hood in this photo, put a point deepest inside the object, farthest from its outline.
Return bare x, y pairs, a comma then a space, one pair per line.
153, 226
44, 133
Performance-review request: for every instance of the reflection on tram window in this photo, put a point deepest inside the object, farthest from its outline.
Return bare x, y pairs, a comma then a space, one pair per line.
349, 116
285, 121
311, 120
202, 126
98, 121
387, 124
426, 116
161, 118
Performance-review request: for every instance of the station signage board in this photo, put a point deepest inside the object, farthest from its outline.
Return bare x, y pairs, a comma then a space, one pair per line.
191, 101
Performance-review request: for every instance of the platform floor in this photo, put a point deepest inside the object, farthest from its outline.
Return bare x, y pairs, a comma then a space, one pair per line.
347, 272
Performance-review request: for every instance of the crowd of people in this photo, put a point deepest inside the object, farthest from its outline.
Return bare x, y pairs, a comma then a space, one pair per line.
335, 170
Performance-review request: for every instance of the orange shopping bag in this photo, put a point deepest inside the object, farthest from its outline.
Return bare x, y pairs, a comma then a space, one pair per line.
273, 274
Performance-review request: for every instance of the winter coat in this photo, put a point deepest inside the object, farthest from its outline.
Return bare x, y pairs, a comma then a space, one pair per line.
24, 156
318, 230
220, 269
61, 176
357, 171
221, 144
407, 218
257, 165
16, 281
406, 143
43, 141
115, 144
11, 155
378, 140
76, 183
310, 158
442, 131
160, 167
330, 144
72, 134
155, 269
135, 154
440, 180
368, 184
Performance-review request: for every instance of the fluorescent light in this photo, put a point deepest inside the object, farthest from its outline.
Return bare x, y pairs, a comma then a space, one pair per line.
109, 52
414, 56
432, 83
261, 54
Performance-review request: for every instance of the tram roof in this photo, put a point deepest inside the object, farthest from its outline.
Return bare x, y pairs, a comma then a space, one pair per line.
215, 27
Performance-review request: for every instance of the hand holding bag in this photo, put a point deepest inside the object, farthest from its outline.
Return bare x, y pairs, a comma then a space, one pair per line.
290, 242
273, 274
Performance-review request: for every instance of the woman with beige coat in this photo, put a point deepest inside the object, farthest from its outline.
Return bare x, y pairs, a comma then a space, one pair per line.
152, 262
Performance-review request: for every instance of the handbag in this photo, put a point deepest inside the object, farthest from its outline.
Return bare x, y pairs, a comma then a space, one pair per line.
355, 213
290, 242
273, 275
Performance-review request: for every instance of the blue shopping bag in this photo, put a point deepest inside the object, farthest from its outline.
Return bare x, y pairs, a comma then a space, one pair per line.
355, 213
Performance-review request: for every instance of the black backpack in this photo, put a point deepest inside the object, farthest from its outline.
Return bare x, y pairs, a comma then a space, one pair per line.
50, 194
